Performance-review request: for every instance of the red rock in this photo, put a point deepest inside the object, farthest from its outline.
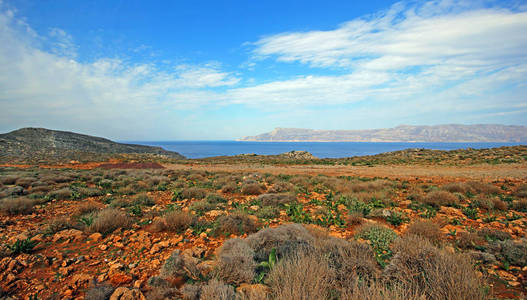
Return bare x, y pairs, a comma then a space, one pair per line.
120, 279
123, 293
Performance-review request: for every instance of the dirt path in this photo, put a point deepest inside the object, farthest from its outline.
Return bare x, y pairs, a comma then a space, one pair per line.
485, 172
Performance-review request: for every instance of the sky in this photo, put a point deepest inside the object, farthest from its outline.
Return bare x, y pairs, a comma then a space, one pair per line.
221, 70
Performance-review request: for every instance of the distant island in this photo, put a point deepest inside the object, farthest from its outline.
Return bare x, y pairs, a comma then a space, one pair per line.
42, 143
404, 133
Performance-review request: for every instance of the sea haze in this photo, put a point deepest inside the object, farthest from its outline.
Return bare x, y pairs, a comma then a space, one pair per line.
201, 149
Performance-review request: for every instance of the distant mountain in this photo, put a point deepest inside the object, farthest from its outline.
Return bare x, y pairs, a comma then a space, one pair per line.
404, 133
41, 143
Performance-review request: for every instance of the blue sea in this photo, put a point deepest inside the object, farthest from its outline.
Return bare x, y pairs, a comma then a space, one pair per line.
201, 149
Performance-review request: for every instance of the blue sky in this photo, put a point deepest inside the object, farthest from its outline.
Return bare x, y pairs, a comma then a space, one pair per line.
187, 70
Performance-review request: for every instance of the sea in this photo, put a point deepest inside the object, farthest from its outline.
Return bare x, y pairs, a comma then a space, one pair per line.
201, 149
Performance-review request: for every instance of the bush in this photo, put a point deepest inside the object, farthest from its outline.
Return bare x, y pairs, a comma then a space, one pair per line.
175, 221
251, 189
285, 238
217, 290
110, 219
86, 208
426, 229
521, 191
200, 207
229, 188
380, 237
62, 194
301, 276
484, 188
420, 266
17, 206
25, 182
469, 240
281, 187
499, 204
440, 198
215, 198
494, 234
268, 212
58, 224
354, 218
457, 187
520, 205
89, 192
143, 199
276, 199
194, 193
514, 252
236, 263
236, 223
9, 179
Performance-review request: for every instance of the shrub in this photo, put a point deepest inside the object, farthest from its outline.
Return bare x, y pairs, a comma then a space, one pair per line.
426, 229
251, 189
285, 238
25, 182
469, 240
175, 221
494, 234
58, 224
440, 198
420, 266
229, 188
9, 179
354, 218
17, 206
514, 252
471, 213
499, 204
276, 199
143, 199
86, 208
62, 194
22, 246
520, 205
521, 191
173, 266
281, 187
236, 223
194, 193
481, 202
457, 187
300, 275
217, 290
483, 188
110, 219
215, 198
268, 212
236, 263
371, 186
380, 238
200, 207
89, 192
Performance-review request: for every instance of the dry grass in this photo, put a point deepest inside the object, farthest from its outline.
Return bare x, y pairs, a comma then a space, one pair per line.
217, 290
441, 198
354, 218
194, 193
175, 221
110, 219
17, 206
423, 268
236, 263
236, 223
276, 199
428, 230
230, 187
251, 189
301, 276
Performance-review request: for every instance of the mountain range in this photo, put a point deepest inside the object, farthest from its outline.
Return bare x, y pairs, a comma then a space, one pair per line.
403, 133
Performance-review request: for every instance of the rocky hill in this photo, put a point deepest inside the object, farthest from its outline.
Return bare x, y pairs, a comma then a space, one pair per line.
403, 133
43, 144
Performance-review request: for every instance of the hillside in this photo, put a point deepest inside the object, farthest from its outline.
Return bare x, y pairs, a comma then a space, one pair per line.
41, 143
403, 133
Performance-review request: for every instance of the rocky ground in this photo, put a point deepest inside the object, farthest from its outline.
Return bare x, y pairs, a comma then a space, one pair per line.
94, 233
